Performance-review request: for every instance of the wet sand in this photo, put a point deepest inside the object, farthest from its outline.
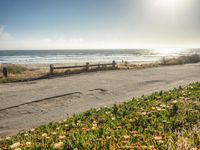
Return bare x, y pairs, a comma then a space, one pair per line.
29, 104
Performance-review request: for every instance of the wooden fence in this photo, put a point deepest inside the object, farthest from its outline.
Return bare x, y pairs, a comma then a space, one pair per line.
87, 66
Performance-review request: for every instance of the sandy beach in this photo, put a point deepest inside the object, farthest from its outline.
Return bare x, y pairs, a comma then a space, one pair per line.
29, 104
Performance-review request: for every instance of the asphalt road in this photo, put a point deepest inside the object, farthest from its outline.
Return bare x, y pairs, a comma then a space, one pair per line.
29, 104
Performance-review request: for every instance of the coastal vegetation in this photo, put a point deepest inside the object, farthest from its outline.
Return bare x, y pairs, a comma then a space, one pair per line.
195, 58
162, 120
17, 73
13, 68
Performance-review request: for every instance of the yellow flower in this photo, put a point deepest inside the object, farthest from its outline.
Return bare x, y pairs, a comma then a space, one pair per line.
28, 144
93, 128
113, 118
15, 145
53, 133
163, 105
44, 135
58, 145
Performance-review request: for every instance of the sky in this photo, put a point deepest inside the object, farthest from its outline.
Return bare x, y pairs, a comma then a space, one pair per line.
99, 24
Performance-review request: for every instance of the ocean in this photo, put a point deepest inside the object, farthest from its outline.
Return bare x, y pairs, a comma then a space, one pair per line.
92, 56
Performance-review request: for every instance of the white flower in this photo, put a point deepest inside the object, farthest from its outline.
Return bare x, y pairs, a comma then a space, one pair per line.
143, 113
158, 138
108, 112
94, 125
58, 145
175, 101
126, 136
32, 129
98, 109
163, 105
113, 118
158, 108
8, 138
61, 137
15, 145
73, 124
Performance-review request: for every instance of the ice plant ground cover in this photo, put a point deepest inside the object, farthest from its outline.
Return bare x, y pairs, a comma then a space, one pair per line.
163, 120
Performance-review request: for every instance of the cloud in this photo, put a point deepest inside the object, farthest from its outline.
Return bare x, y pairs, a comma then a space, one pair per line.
4, 35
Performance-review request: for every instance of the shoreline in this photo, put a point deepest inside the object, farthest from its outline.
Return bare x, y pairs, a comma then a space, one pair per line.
27, 72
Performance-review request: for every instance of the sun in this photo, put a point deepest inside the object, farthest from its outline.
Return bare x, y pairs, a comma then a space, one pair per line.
168, 4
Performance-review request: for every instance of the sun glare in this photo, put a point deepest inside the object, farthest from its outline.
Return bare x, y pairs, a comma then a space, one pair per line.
168, 51
169, 4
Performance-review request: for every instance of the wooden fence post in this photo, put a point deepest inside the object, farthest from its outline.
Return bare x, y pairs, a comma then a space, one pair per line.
87, 66
5, 72
113, 64
99, 66
51, 68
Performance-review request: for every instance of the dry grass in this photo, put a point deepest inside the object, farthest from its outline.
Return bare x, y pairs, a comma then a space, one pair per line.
128, 65
195, 58
20, 73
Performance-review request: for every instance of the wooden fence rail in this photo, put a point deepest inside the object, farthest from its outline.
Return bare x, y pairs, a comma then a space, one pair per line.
86, 66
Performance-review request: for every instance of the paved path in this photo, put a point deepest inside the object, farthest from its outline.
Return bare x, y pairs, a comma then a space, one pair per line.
29, 104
